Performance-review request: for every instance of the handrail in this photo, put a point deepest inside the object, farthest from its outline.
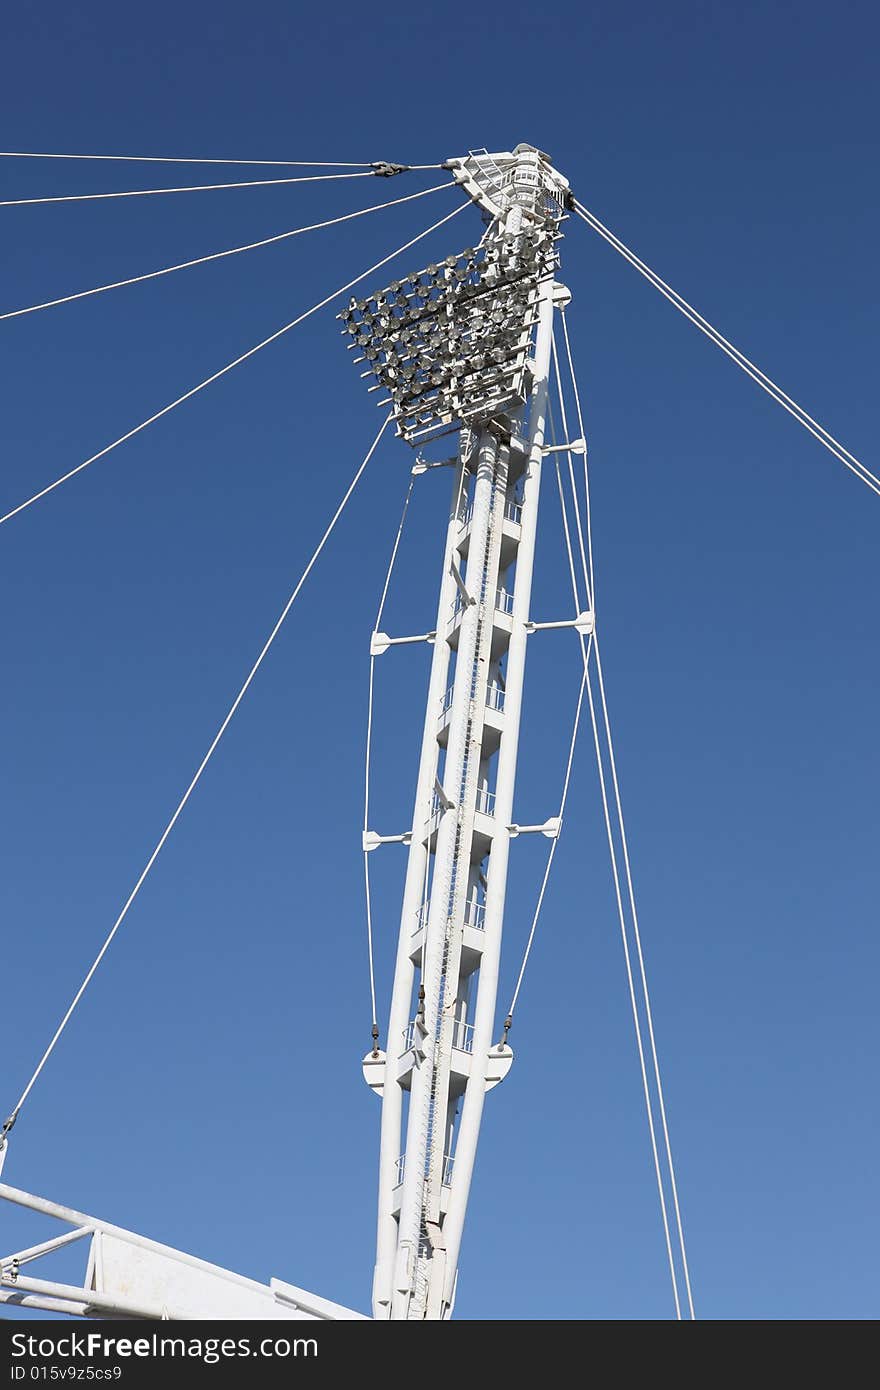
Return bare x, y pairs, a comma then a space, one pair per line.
485, 801
494, 699
462, 1036
474, 916
448, 1165
503, 602
512, 512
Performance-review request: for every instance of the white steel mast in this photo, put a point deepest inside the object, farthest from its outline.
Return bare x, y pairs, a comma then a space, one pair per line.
463, 346
441, 1055
460, 346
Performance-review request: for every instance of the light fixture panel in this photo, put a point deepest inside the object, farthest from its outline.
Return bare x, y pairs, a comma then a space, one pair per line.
449, 344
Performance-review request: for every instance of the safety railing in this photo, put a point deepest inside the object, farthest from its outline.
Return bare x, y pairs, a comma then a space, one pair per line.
474, 916
494, 699
503, 602
438, 804
448, 1165
462, 1036
486, 801
512, 512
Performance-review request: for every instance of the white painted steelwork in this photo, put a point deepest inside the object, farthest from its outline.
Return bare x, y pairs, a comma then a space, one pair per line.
441, 1058
128, 1275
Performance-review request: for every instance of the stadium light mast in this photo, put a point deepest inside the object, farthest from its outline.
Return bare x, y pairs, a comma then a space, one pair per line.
463, 345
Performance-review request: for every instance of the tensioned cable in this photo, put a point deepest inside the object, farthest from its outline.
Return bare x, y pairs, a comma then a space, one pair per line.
775, 392
588, 511
219, 255
250, 163
229, 366
587, 567
610, 841
192, 188
618, 894
552, 853
379, 613
194, 783
166, 159
629, 975
550, 857
426, 879
644, 978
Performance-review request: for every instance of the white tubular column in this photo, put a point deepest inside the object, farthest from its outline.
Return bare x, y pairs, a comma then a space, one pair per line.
391, 1141
463, 343
487, 979
426, 1124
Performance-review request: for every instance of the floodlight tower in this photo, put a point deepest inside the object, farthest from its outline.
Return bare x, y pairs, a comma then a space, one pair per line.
464, 346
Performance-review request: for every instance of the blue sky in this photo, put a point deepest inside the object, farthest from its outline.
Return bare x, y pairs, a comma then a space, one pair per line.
209, 1091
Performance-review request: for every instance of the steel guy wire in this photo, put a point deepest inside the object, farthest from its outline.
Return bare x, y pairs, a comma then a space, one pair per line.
192, 785
615, 873
215, 376
191, 188
369, 741
220, 255
765, 382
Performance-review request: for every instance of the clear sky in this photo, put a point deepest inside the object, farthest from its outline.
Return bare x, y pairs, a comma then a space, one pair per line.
208, 1092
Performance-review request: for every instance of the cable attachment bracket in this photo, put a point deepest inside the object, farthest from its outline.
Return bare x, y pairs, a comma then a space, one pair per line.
384, 169
8, 1126
374, 1033
371, 840
423, 465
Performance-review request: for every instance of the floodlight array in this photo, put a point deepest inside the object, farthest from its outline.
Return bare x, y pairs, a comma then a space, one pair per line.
450, 342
